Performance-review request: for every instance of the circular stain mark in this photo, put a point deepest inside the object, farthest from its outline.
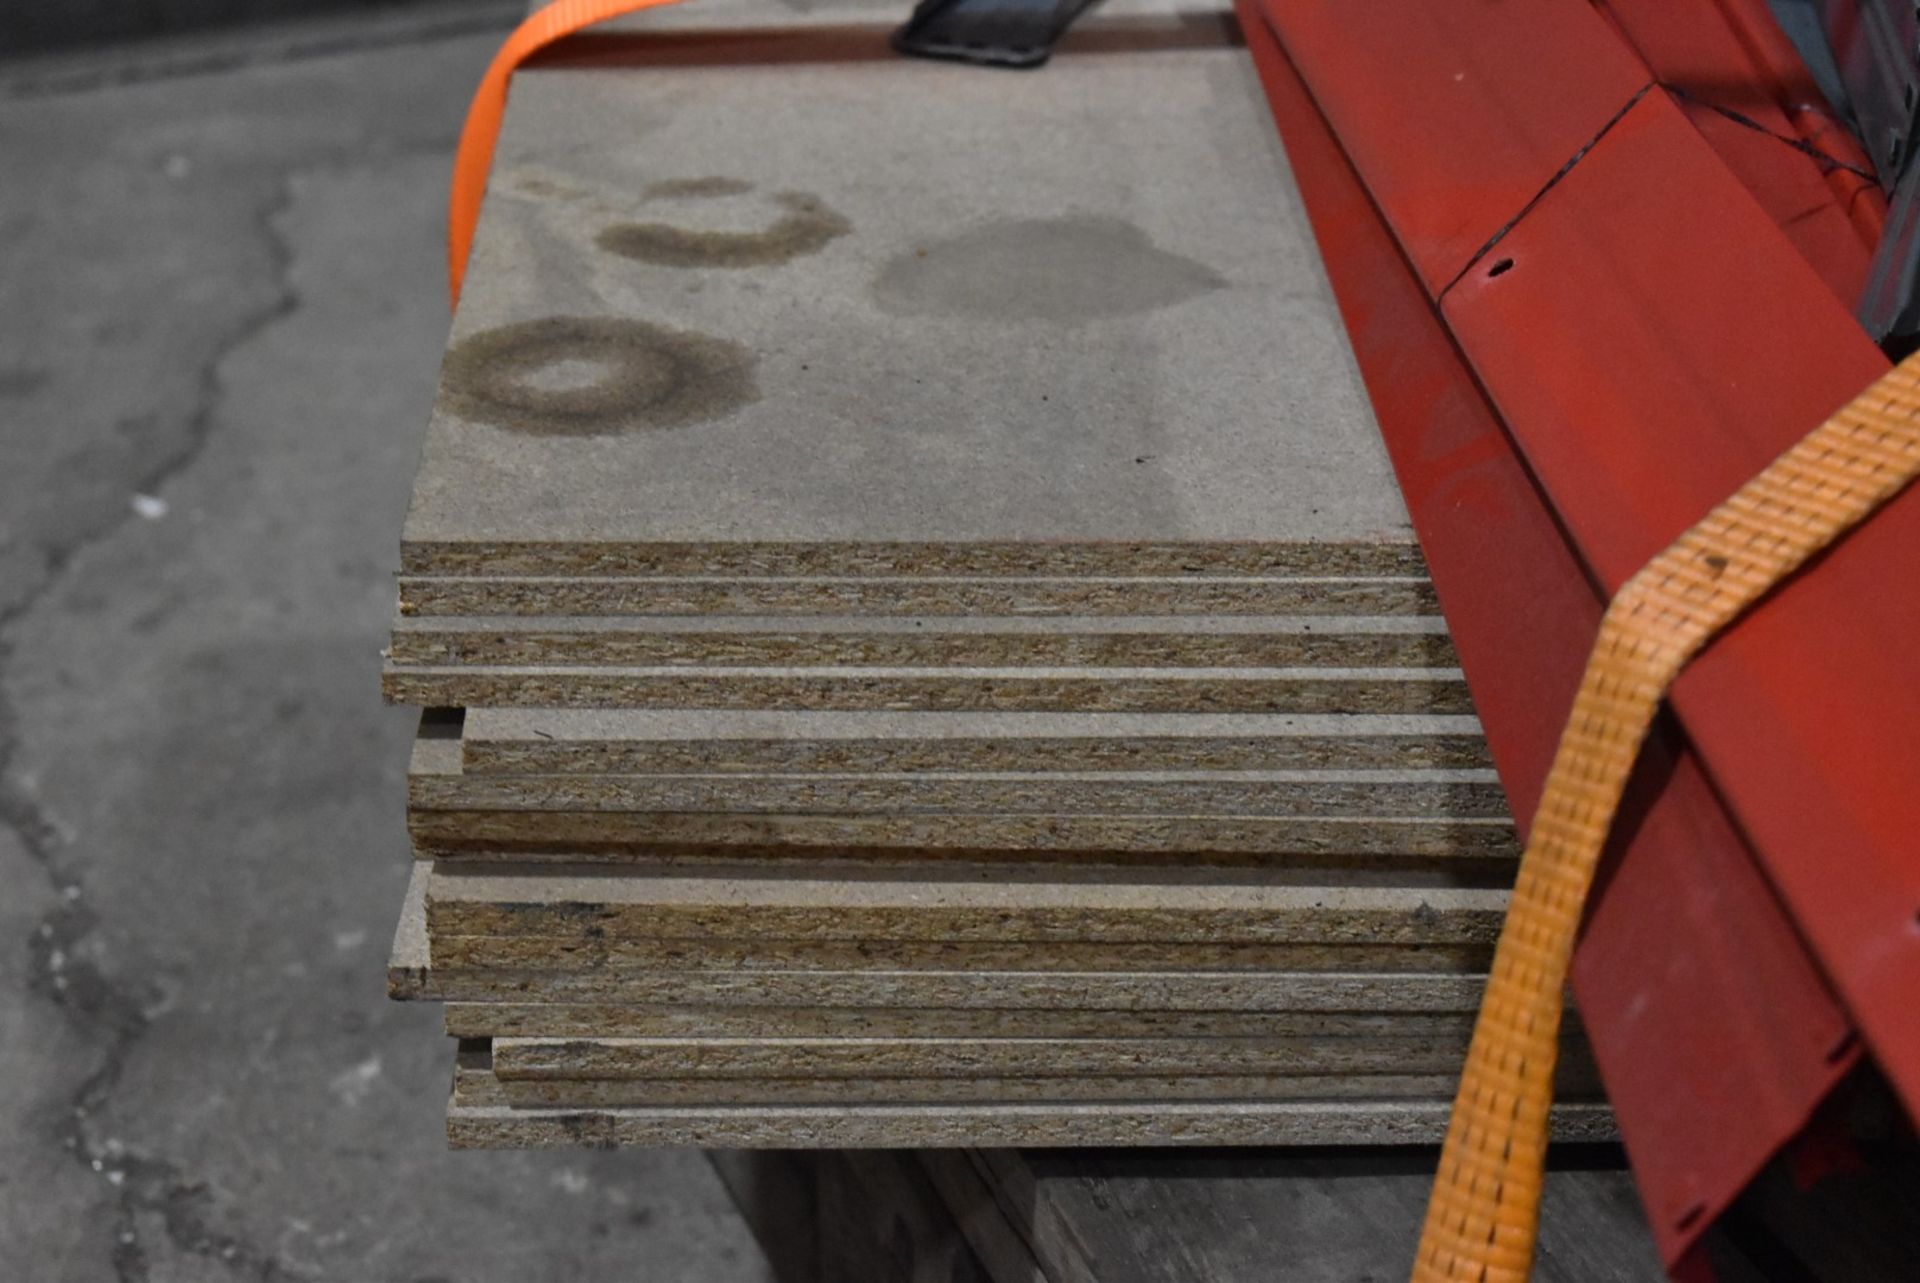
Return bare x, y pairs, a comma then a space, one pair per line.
526, 377
806, 228
1067, 270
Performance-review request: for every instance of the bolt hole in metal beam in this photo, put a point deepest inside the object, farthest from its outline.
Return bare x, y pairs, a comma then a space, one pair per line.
1504, 265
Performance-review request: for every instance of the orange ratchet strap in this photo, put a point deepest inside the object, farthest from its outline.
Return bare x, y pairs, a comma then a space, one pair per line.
1485, 1210
474, 160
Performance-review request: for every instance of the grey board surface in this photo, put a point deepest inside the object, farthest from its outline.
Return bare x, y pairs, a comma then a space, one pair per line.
436, 781
592, 1093
617, 958
967, 990
512, 741
1415, 794
482, 1077
464, 596
932, 309
660, 906
1258, 641
630, 1058
936, 689
1019, 1125
1312, 844
412, 975
612, 1020
1007, 1003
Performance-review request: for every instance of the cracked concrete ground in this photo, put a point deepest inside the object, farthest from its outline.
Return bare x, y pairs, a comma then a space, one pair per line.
224, 309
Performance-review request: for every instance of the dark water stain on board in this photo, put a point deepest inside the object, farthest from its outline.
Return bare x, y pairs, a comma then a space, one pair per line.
594, 376
1066, 270
544, 187
20, 381
696, 188
807, 226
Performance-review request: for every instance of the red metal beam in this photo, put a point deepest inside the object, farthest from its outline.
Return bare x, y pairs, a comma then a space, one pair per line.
1653, 343
1405, 87
1736, 77
1688, 951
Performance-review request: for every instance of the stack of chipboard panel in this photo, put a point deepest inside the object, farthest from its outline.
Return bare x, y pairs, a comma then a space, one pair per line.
920, 640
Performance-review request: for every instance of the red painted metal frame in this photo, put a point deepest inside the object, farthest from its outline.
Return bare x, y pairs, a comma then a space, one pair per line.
1674, 344
1775, 63
1697, 1127
1717, 1035
1537, 81
1739, 82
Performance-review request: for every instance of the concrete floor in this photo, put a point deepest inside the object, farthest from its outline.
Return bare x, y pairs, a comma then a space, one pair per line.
224, 310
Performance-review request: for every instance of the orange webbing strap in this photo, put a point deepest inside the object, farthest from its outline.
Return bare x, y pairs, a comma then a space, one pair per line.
475, 157
1485, 1208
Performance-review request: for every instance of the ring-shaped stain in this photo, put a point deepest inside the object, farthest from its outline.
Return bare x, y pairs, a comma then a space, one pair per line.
640, 376
806, 227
